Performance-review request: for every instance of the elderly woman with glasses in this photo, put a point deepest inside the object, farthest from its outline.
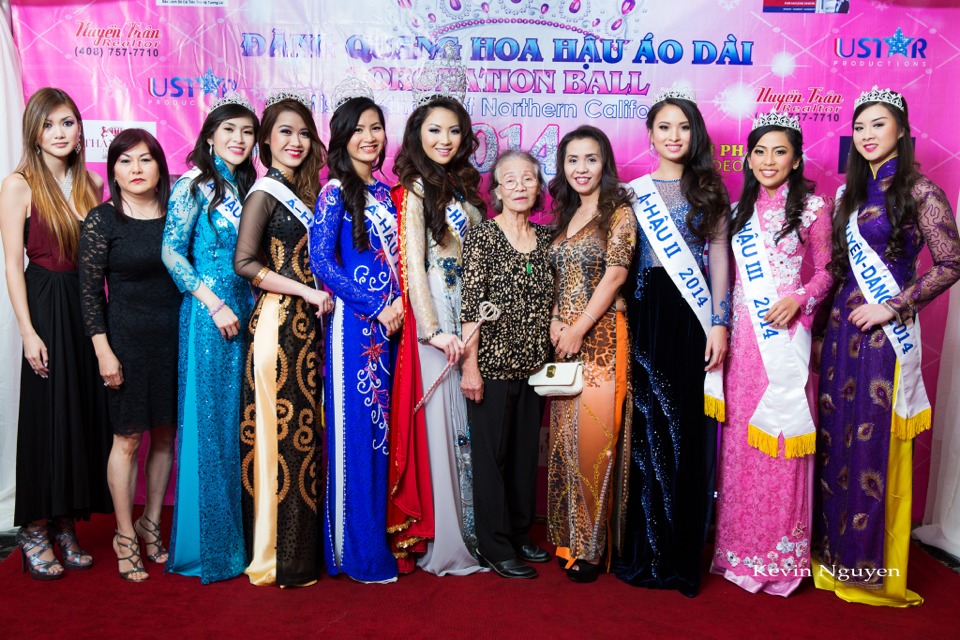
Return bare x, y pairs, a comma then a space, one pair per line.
505, 262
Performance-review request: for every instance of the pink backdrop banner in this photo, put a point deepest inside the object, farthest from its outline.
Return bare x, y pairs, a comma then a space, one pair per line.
536, 70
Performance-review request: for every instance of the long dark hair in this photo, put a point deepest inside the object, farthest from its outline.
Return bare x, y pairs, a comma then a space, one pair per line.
52, 209
798, 186
700, 184
439, 182
514, 154
566, 200
123, 142
901, 206
306, 179
200, 156
353, 191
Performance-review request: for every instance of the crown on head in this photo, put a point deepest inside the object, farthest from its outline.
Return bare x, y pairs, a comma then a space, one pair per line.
444, 75
232, 97
678, 91
298, 95
776, 120
350, 87
876, 95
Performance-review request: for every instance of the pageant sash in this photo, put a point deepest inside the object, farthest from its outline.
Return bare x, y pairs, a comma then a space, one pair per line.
783, 407
230, 208
385, 226
457, 220
287, 198
911, 408
662, 233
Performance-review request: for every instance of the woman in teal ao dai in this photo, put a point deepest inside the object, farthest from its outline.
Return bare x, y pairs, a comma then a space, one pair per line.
354, 250
198, 244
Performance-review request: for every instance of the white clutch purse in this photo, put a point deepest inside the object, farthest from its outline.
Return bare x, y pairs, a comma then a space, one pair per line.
563, 379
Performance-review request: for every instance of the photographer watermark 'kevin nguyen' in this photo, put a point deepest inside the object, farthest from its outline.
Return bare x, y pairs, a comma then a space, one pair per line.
843, 574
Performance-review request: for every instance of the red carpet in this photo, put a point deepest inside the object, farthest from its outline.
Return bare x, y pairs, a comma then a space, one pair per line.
97, 604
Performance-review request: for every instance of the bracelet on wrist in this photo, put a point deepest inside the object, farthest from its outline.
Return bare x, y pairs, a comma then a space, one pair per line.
588, 314
427, 339
896, 314
555, 317
212, 312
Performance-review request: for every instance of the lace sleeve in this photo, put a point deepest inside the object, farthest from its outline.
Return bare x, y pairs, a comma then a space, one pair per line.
622, 239
329, 218
475, 246
183, 211
415, 264
94, 252
719, 268
819, 245
939, 230
257, 211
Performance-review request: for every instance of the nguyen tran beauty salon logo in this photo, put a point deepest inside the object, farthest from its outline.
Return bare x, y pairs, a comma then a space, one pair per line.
131, 39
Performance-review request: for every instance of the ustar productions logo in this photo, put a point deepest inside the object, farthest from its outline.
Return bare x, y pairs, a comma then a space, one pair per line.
100, 133
187, 89
897, 50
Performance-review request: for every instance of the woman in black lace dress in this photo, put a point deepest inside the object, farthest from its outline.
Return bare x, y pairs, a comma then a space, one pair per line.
280, 427
135, 335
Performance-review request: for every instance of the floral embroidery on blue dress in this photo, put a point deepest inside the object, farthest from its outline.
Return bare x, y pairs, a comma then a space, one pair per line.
360, 358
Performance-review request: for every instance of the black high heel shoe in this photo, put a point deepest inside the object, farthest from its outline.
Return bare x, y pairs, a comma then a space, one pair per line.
74, 558
32, 538
144, 527
583, 571
122, 542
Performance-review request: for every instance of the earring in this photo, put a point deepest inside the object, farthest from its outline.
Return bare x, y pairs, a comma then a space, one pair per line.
38, 149
211, 148
78, 147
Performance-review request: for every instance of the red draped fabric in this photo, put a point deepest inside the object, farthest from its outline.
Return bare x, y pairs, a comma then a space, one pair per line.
410, 521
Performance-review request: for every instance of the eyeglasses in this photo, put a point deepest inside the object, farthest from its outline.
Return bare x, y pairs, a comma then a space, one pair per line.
511, 184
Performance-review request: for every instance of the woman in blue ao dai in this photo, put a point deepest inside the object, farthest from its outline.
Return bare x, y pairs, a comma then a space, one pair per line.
198, 244
354, 251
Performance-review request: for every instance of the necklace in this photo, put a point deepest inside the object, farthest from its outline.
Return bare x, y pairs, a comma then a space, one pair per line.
66, 187
140, 215
526, 256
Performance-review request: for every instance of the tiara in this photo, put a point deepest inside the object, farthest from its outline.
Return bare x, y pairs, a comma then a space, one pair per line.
350, 87
876, 95
775, 119
676, 91
299, 96
444, 75
232, 97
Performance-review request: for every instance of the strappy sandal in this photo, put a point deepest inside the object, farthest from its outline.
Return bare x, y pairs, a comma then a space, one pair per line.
121, 541
74, 558
151, 529
36, 539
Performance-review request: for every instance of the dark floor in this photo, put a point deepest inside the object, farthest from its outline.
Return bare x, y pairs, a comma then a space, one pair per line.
7, 545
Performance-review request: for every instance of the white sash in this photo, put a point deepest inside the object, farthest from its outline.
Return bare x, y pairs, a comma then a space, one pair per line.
783, 407
911, 408
230, 207
287, 198
654, 219
457, 219
385, 226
